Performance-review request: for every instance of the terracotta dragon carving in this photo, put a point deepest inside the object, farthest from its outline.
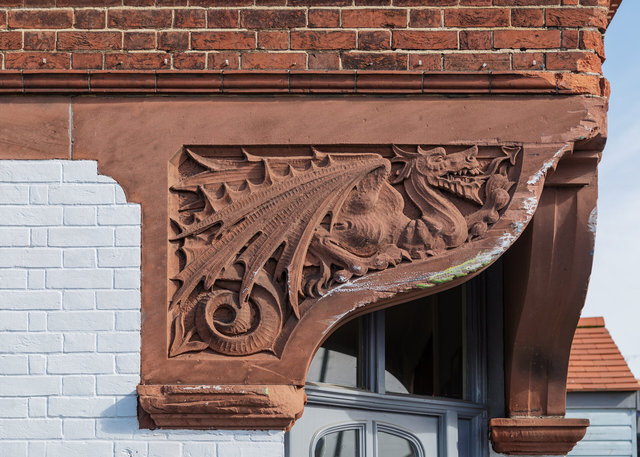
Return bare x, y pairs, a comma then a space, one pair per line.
258, 235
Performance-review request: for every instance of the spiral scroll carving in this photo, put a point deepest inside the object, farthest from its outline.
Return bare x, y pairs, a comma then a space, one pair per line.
232, 328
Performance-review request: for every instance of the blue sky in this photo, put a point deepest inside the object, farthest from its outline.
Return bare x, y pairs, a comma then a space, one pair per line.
614, 291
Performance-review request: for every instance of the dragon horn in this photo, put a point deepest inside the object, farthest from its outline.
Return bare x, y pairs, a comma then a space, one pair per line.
401, 153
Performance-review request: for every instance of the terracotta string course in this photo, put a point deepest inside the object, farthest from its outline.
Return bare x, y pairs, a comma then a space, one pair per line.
292, 82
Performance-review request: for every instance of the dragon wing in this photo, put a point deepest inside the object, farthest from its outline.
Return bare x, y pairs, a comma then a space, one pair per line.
276, 218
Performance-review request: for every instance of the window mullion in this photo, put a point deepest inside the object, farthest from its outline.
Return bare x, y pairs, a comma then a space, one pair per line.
371, 353
380, 354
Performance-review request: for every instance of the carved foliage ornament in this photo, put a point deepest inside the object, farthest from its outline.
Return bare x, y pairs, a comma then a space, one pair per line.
255, 234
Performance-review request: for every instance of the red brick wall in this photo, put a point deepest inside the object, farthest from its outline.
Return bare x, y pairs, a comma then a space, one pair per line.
430, 35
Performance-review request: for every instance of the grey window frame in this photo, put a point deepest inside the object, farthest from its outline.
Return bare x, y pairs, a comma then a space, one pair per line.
360, 427
484, 375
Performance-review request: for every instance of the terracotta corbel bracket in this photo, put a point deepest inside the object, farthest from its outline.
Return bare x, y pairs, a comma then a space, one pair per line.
275, 334
263, 231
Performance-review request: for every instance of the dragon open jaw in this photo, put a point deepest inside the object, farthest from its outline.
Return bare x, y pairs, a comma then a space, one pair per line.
465, 183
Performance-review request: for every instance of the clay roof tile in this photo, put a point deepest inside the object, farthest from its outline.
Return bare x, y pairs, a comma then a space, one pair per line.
596, 363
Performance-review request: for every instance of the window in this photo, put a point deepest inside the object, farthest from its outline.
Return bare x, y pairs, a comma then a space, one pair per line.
415, 348
407, 381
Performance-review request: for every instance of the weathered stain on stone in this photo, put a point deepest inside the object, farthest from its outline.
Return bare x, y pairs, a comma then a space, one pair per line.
547, 165
593, 220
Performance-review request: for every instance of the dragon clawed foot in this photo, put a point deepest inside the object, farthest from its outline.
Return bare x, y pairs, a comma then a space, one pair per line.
342, 276
497, 199
325, 246
388, 256
353, 266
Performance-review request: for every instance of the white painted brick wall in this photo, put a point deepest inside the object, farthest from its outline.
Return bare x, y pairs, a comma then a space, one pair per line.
70, 323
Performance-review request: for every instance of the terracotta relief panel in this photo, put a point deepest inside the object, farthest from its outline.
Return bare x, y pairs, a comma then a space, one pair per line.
255, 231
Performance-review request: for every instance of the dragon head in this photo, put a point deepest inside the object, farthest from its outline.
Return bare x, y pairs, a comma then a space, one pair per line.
459, 173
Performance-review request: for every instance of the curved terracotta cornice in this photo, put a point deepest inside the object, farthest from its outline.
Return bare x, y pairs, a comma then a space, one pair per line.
73, 82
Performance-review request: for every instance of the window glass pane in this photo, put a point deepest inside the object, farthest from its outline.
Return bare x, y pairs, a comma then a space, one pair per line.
395, 446
345, 443
425, 345
336, 361
393, 384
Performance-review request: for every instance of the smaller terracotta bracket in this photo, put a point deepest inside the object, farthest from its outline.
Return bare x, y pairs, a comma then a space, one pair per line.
273, 407
575, 170
536, 436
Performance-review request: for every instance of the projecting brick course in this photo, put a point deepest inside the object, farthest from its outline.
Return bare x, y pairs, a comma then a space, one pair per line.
302, 34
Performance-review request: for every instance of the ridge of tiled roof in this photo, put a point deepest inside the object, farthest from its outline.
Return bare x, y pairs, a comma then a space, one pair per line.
595, 363
586, 322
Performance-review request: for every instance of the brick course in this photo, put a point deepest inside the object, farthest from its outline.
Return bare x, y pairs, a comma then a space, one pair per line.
70, 323
301, 34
